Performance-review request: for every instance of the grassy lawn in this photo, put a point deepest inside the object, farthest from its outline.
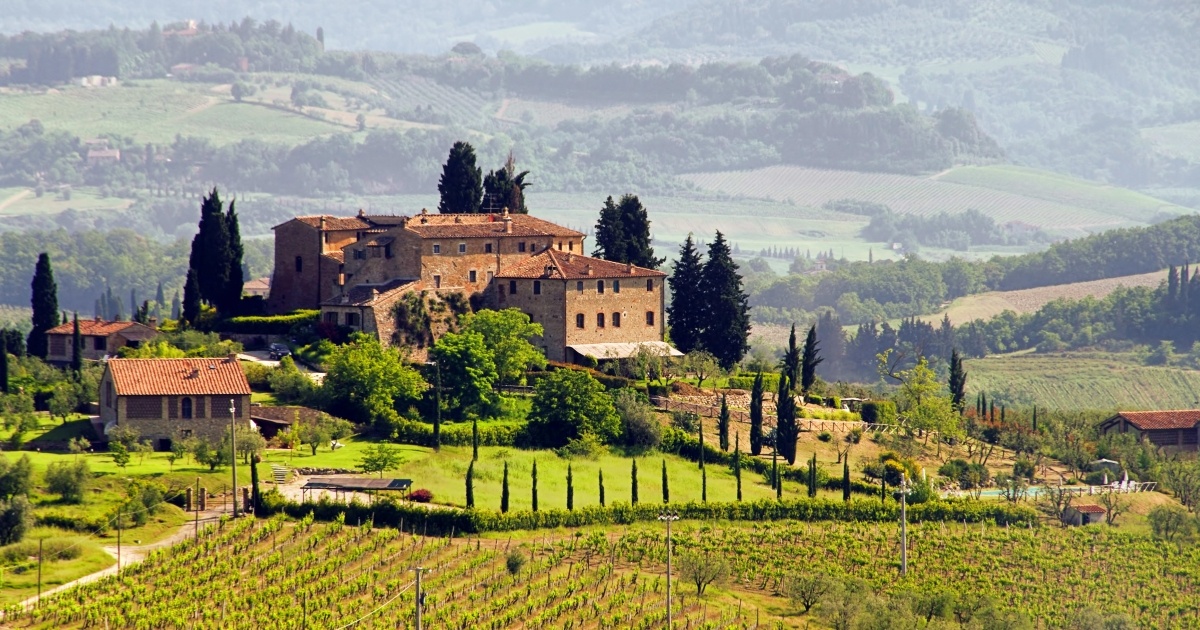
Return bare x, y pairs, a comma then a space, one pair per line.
19, 562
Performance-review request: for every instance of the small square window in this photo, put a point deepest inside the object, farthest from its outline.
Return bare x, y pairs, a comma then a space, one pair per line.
437, 282
579, 286
512, 287
487, 248
537, 287
521, 247
352, 319
570, 246
437, 249
462, 248
616, 286
331, 317
560, 246
99, 343
471, 275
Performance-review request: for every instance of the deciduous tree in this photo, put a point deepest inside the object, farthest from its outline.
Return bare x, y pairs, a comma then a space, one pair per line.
468, 372
365, 380
506, 334
569, 404
379, 458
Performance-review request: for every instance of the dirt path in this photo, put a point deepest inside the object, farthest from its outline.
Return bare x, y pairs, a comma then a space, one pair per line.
14, 199
130, 554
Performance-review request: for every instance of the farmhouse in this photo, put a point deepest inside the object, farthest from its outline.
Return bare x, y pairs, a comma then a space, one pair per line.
1170, 429
166, 399
100, 339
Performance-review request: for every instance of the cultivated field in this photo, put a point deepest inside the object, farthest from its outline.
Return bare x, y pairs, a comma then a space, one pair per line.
1180, 140
306, 574
1081, 380
992, 303
1063, 205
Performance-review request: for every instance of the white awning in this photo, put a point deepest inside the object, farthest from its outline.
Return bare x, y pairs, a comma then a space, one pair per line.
623, 350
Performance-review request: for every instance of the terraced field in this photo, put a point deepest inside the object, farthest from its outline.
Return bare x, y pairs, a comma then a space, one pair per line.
1063, 205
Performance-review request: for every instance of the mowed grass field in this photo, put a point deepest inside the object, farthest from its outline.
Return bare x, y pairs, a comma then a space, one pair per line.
1063, 205
1083, 381
992, 303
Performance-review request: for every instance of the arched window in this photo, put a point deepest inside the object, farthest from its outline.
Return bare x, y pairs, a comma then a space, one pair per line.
616, 320
185, 408
579, 320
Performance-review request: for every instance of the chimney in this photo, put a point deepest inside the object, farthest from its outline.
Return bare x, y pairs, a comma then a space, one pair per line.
587, 270
341, 280
361, 213
507, 222
424, 216
628, 267
569, 256
231, 358
152, 322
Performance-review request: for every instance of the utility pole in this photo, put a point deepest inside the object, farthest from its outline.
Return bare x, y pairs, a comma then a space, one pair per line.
39, 597
233, 450
420, 595
118, 542
668, 518
903, 524
196, 505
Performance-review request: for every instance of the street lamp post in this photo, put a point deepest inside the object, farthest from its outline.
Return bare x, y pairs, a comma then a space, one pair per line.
233, 451
668, 518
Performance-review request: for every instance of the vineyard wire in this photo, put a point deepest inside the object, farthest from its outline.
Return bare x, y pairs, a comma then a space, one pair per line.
381, 606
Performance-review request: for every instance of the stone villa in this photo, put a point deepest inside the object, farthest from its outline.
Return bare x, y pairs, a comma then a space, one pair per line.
358, 270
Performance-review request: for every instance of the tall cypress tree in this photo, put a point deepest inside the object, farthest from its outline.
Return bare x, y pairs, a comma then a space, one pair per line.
176, 306
471, 485
756, 416
504, 490
846, 479
610, 233
725, 306
160, 299
211, 251
76, 349
4, 367
461, 184
666, 487
1172, 287
601, 488
45, 307
231, 296
570, 488
723, 425
534, 492
704, 486
685, 312
191, 298
812, 477
786, 429
809, 362
790, 363
958, 381
633, 490
475, 439
737, 464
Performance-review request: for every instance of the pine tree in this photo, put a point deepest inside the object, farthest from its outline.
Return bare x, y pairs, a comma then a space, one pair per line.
756, 416
666, 487
846, 479
471, 485
461, 184
45, 307
76, 349
211, 252
685, 313
504, 490
570, 488
231, 295
786, 429
534, 492
958, 381
725, 306
737, 464
191, 298
790, 363
474, 439
601, 488
809, 362
633, 490
723, 425
176, 306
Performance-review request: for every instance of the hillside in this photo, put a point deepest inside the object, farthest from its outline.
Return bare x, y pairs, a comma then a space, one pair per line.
1064, 205
1082, 380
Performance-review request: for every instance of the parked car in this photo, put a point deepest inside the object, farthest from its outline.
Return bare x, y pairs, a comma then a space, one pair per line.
278, 351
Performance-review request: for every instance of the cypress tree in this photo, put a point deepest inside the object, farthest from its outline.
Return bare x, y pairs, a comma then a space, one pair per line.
1002, 410
786, 429
133, 304
601, 488
846, 479
790, 364
255, 495
191, 298
704, 486
231, 296
475, 439
812, 477
724, 305
160, 299
723, 425
4, 367
700, 443
778, 481
45, 307
534, 494
883, 489
570, 488
684, 313
809, 362
992, 411
666, 488
1184, 290
610, 233
774, 468
471, 485
176, 306
737, 464
633, 491
461, 183
756, 416
504, 490
1172, 287
958, 381
211, 252
1035, 427
76, 348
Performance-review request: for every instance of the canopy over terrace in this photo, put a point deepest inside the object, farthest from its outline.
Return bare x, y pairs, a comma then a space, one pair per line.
602, 351
353, 484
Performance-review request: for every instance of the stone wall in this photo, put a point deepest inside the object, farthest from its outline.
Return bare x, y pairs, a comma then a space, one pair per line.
291, 289
546, 308
210, 415
632, 302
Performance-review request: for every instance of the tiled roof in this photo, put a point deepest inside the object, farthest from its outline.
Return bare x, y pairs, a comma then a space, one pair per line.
484, 226
178, 377
334, 223
1088, 508
336, 255
260, 284
1178, 419
98, 328
366, 294
566, 266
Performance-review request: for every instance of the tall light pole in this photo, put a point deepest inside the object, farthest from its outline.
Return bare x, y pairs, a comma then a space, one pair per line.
233, 451
668, 518
904, 490
420, 599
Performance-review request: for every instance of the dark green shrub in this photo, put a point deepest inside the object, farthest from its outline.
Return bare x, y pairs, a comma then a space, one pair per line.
879, 412
833, 402
269, 324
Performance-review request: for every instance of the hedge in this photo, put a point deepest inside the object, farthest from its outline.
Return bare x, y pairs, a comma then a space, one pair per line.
269, 324
421, 519
746, 382
458, 433
879, 412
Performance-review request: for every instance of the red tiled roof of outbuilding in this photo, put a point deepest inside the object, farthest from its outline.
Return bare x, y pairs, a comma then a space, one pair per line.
178, 377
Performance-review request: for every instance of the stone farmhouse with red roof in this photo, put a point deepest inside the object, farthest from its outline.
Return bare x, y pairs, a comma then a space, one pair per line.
100, 339
362, 267
1177, 430
166, 399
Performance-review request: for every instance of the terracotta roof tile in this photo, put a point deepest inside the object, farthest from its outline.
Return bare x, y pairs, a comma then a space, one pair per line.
178, 377
337, 255
97, 328
566, 266
484, 226
334, 223
1177, 419
367, 294
261, 284
1088, 508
